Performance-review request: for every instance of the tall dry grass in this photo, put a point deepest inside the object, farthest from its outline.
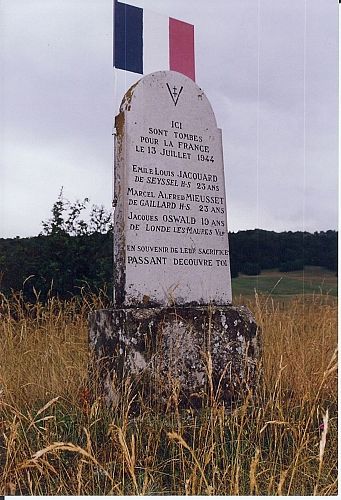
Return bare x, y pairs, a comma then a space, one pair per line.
281, 440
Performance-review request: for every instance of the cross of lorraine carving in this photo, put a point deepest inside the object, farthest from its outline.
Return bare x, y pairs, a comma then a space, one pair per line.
174, 93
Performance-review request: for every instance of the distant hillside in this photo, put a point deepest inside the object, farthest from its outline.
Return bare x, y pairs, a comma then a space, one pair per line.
60, 264
254, 250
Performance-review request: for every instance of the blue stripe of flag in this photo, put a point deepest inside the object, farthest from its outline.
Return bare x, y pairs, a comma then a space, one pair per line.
128, 42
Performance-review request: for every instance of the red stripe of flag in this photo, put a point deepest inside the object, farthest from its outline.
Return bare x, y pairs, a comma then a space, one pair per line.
181, 47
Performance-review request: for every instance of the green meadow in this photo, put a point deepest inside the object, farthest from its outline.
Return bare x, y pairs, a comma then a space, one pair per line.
312, 280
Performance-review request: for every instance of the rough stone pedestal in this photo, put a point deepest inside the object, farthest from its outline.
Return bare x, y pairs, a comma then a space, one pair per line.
190, 353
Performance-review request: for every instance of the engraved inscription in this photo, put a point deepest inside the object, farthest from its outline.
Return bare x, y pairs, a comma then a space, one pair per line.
197, 189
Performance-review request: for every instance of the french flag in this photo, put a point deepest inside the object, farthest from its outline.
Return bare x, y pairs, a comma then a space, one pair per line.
145, 42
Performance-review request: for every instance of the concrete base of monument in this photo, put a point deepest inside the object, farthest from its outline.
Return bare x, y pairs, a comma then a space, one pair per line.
186, 353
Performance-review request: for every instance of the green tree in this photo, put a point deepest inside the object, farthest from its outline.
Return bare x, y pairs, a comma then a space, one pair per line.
68, 218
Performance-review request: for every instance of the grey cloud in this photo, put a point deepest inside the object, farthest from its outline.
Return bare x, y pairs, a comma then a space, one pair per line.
59, 95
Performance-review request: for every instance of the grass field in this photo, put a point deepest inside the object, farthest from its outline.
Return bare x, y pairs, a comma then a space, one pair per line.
311, 281
282, 439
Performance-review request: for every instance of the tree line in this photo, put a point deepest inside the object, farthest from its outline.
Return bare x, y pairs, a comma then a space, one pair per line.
73, 253
254, 250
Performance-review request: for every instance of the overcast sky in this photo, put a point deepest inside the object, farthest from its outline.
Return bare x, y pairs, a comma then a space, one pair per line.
269, 69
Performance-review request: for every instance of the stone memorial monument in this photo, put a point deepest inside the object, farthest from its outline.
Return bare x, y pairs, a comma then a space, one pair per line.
173, 324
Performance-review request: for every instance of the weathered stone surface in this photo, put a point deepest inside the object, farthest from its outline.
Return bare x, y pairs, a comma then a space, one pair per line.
173, 332
193, 351
170, 231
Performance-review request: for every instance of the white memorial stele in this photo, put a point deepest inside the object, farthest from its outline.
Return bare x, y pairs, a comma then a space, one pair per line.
170, 221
